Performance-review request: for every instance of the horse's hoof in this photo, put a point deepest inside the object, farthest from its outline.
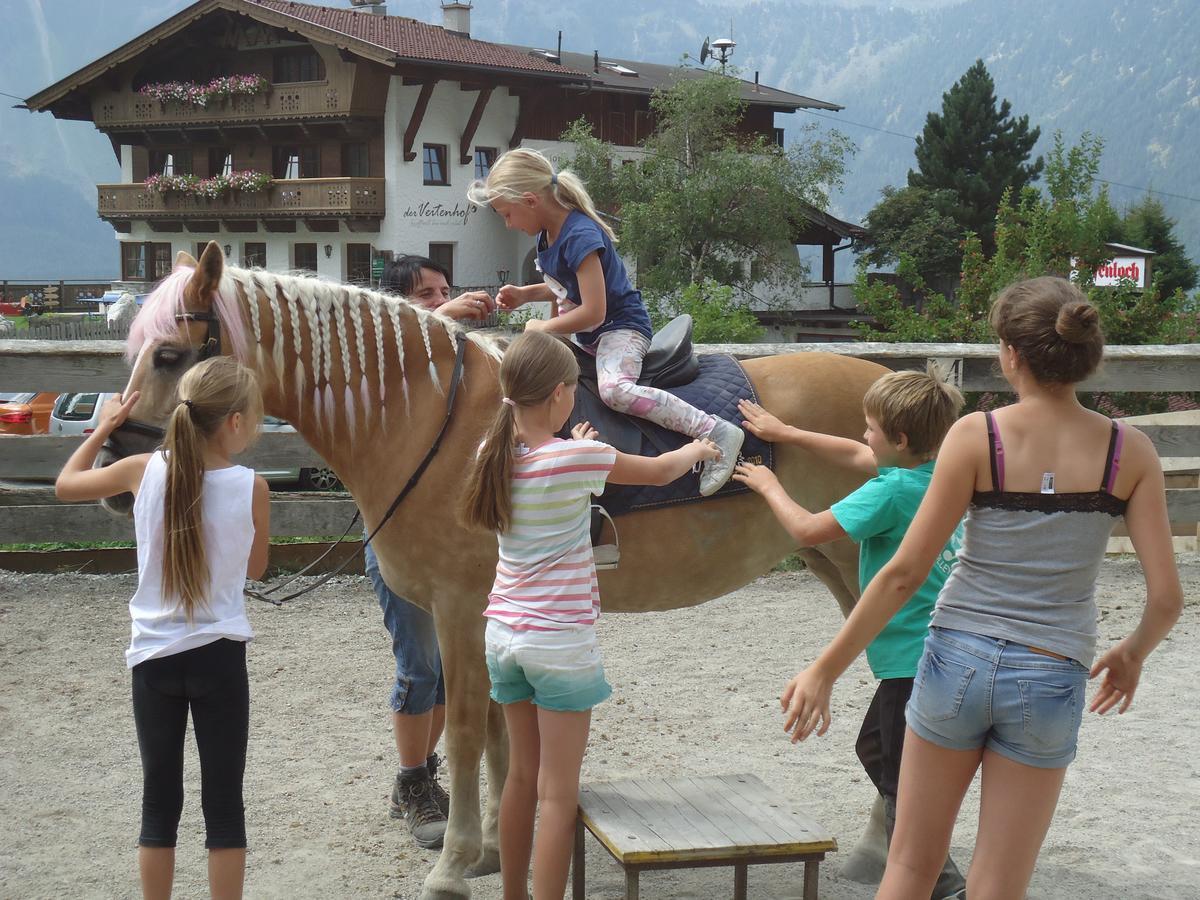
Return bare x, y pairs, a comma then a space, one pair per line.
487, 864
863, 865
445, 892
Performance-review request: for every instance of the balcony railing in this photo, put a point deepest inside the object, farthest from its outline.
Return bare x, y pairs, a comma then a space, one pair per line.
308, 100
308, 197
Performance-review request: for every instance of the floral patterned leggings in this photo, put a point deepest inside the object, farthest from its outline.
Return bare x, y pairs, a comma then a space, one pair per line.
619, 356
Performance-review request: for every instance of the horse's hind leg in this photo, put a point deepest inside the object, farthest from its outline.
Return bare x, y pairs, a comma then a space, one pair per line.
466, 727
837, 567
497, 771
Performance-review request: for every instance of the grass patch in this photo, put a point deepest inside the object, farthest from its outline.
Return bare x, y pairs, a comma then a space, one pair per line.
791, 563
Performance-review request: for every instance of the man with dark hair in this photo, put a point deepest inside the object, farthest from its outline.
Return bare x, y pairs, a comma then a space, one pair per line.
421, 279
418, 696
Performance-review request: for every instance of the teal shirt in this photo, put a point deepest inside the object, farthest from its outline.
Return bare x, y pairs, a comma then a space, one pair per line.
876, 516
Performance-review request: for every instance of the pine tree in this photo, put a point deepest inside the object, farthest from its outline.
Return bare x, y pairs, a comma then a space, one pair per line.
1146, 225
976, 151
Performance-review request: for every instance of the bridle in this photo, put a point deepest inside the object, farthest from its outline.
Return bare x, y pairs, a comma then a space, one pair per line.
211, 347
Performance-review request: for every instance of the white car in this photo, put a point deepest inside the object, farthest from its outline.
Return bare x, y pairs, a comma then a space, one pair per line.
80, 413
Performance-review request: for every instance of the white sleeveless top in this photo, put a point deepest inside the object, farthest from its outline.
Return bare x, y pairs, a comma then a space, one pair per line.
161, 628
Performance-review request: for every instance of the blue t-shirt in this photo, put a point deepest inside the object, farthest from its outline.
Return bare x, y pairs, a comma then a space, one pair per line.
579, 237
876, 516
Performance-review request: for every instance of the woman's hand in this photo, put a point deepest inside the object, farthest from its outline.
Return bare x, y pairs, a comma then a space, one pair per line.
1122, 670
471, 305
510, 297
805, 704
115, 412
759, 479
761, 423
584, 432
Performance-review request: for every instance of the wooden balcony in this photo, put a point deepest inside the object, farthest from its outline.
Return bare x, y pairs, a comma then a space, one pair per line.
336, 99
307, 198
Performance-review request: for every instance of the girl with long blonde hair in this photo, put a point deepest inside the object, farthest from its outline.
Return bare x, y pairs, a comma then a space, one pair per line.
202, 526
596, 303
534, 490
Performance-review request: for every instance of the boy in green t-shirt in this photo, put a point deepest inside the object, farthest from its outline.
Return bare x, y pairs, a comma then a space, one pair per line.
908, 415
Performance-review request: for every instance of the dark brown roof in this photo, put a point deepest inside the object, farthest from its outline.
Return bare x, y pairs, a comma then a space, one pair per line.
647, 77
410, 39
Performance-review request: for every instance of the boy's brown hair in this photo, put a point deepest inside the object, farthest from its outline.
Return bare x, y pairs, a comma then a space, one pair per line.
921, 405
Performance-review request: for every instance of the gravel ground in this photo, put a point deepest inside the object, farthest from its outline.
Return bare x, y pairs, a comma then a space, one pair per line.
695, 691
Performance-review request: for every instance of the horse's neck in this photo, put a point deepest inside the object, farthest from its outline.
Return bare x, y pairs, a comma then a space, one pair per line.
362, 379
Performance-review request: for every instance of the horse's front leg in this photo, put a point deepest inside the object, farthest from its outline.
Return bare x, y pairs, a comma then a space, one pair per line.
461, 640
497, 770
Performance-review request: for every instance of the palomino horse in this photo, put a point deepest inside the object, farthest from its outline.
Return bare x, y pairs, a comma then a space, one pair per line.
362, 376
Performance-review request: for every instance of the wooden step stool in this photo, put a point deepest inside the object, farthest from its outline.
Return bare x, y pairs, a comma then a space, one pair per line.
681, 823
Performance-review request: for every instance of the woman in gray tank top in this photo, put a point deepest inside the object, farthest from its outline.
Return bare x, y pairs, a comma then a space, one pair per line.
1001, 683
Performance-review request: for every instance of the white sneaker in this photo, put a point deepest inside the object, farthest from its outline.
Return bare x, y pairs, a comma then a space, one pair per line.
728, 438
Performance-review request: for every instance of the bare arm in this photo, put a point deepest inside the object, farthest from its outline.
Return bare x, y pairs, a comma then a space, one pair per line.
632, 469
79, 481
1150, 530
806, 698
261, 511
511, 296
593, 303
840, 451
807, 529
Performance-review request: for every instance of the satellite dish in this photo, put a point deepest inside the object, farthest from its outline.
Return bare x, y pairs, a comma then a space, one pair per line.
704, 52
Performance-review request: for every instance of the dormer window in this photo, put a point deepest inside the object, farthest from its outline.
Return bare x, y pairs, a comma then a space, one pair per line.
618, 68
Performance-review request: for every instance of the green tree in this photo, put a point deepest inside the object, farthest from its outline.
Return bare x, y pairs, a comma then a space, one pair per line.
1054, 233
703, 197
918, 224
976, 151
1147, 225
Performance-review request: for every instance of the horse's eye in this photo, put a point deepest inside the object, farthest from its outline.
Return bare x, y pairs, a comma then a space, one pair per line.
165, 357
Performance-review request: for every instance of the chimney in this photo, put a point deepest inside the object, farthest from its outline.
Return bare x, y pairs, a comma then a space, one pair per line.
374, 7
456, 17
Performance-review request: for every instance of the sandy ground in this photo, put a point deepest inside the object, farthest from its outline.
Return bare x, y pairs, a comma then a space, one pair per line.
695, 692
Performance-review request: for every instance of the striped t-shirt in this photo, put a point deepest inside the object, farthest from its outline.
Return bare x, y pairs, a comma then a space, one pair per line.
546, 577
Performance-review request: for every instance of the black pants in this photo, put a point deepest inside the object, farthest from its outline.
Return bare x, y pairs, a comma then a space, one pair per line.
881, 739
211, 681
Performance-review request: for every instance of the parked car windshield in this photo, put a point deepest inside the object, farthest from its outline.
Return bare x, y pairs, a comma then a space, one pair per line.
76, 407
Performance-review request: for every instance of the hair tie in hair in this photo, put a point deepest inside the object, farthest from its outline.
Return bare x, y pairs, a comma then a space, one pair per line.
507, 402
189, 404
553, 178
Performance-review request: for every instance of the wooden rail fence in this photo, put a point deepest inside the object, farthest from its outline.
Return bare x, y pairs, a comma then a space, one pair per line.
100, 366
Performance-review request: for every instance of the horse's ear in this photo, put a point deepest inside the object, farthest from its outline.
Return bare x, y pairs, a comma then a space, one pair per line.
209, 270
185, 259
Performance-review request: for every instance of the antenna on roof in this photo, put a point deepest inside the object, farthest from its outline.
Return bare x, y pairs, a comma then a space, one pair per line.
720, 49
705, 52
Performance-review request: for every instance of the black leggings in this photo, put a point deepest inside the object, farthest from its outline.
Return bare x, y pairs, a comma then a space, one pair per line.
212, 681
881, 740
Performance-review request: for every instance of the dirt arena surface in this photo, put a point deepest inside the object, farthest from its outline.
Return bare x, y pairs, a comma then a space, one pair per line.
695, 691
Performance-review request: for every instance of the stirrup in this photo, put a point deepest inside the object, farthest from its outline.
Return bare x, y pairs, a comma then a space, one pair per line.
606, 556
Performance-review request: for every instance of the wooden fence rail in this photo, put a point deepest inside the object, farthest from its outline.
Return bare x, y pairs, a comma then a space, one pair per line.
100, 365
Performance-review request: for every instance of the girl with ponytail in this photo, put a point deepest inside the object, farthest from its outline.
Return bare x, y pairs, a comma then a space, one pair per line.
202, 525
534, 490
595, 301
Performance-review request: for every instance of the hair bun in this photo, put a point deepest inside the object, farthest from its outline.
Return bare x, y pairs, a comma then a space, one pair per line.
1077, 322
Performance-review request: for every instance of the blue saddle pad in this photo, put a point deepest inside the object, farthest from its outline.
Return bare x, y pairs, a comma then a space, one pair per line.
722, 382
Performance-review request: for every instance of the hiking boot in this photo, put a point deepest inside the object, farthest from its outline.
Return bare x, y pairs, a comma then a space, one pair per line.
413, 800
440, 797
728, 438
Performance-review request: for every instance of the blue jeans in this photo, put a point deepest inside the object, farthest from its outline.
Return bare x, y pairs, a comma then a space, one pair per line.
974, 691
419, 684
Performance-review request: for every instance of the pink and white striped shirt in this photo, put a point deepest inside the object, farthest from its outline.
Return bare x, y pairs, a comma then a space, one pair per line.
546, 576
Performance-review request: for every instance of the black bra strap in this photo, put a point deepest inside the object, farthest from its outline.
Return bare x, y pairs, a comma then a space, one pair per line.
991, 430
1105, 484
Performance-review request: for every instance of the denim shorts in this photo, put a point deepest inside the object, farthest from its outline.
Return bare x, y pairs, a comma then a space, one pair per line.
419, 684
973, 691
557, 670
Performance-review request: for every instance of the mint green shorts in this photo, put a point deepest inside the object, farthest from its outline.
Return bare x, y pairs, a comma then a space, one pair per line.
556, 670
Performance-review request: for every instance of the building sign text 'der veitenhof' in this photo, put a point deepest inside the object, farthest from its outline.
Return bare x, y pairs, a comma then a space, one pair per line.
440, 212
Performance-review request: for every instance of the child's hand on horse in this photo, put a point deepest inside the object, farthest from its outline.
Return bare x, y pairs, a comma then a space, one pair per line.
471, 305
115, 412
510, 296
759, 479
584, 432
805, 704
761, 423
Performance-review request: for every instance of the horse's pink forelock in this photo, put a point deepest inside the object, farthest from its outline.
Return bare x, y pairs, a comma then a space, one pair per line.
156, 321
